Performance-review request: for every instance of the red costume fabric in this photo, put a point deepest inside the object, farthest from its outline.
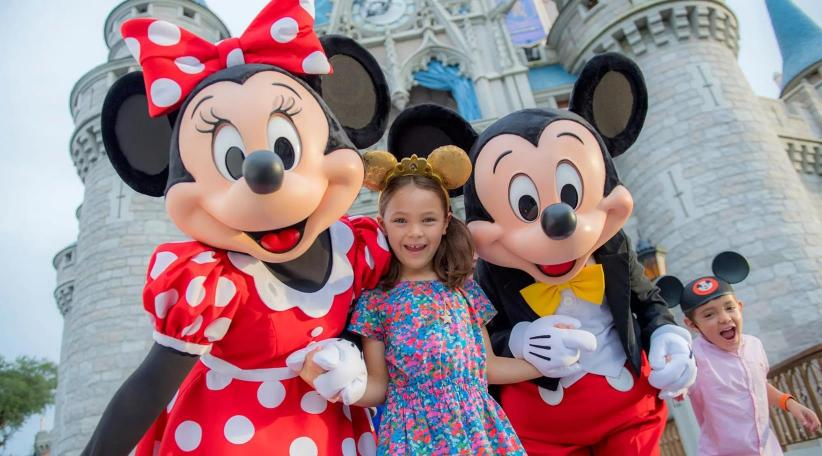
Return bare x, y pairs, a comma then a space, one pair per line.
592, 416
240, 398
174, 60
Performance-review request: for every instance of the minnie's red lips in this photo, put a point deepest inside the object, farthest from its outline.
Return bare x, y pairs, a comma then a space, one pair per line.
556, 270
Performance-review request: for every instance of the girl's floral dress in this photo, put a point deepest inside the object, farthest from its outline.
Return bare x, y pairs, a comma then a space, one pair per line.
437, 401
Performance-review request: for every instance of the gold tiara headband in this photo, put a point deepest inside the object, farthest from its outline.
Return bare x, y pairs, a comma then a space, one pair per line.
448, 165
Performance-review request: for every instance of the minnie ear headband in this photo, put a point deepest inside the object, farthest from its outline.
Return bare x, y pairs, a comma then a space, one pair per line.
448, 165
728, 268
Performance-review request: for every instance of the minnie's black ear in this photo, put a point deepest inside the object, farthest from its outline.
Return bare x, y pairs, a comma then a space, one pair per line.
671, 290
611, 95
731, 267
356, 92
137, 145
421, 129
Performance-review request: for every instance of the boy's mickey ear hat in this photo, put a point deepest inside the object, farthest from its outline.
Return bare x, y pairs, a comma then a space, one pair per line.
728, 268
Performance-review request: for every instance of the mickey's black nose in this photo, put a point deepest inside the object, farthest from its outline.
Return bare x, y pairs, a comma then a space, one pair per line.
263, 172
559, 221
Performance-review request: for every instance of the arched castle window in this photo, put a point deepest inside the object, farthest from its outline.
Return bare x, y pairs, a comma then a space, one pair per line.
439, 77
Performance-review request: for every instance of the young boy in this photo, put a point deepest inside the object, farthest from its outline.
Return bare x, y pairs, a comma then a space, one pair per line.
731, 396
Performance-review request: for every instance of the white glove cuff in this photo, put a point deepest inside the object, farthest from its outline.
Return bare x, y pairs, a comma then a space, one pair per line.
672, 329
517, 339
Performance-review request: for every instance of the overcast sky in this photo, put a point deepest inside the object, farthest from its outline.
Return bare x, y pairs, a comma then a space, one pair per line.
46, 46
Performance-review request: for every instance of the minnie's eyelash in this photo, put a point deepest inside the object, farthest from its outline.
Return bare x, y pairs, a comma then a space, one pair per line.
217, 121
285, 106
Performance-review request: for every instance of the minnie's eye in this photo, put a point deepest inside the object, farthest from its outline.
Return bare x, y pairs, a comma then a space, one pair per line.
524, 199
569, 184
228, 151
284, 141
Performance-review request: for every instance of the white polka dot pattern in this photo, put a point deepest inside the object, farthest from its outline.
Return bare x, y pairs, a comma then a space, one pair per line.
188, 435
195, 292
302, 446
164, 33
284, 30
238, 430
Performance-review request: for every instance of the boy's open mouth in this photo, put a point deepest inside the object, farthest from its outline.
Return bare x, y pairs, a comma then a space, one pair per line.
728, 334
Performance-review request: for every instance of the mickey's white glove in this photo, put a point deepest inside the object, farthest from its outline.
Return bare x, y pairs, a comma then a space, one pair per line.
553, 350
673, 368
346, 378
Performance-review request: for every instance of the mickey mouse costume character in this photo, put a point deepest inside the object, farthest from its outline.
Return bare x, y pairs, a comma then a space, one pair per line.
546, 208
253, 143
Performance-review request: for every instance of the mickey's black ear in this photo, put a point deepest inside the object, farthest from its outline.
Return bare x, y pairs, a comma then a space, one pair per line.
137, 145
356, 92
611, 95
671, 290
421, 129
731, 267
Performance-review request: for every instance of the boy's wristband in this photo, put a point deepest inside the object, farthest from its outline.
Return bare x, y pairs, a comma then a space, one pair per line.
783, 401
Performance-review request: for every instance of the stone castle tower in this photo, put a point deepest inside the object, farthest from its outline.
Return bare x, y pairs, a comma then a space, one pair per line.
715, 168
106, 333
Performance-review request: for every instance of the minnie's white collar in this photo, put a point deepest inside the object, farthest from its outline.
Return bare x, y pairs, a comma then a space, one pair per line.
277, 296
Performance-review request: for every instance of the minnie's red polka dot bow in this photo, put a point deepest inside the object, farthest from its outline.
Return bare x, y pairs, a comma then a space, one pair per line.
174, 60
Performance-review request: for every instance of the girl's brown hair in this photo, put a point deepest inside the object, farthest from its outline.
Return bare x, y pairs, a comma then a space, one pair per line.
454, 259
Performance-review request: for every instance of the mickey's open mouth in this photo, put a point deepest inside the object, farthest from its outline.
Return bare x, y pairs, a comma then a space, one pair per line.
556, 270
280, 240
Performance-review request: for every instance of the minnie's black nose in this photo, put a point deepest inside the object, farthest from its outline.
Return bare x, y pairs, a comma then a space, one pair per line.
263, 171
559, 221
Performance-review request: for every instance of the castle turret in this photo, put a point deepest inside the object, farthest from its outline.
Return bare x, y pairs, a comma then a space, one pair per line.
709, 171
100, 277
800, 122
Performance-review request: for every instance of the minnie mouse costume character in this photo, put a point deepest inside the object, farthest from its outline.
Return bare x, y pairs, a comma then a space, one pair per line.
546, 208
253, 141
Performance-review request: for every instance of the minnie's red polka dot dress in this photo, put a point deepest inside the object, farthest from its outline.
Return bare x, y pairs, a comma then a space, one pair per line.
240, 398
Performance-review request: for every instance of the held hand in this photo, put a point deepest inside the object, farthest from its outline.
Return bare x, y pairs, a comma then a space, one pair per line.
806, 417
346, 376
311, 370
552, 344
673, 368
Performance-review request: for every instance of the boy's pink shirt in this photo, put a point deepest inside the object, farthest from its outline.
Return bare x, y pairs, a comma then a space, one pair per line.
730, 399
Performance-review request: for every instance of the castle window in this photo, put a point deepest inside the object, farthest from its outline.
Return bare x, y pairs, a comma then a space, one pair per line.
141, 9
532, 54
422, 95
189, 13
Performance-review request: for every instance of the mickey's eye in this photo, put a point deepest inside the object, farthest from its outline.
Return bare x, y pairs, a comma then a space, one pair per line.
569, 184
524, 199
284, 141
228, 151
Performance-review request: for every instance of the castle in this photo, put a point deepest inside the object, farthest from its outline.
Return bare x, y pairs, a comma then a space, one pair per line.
716, 167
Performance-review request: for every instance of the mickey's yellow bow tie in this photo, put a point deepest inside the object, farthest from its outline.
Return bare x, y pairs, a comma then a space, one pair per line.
589, 285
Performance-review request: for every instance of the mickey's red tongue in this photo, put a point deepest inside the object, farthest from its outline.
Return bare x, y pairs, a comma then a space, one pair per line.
556, 270
281, 240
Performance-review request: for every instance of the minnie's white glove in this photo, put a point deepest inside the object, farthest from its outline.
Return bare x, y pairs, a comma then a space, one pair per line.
673, 368
346, 376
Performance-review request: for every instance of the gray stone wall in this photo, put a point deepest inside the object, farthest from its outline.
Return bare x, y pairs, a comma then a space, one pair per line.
106, 332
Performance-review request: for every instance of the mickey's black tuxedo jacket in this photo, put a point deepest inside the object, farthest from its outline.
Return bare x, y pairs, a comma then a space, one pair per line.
636, 304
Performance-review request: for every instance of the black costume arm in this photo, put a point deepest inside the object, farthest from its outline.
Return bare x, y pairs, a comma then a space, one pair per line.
646, 301
499, 328
139, 401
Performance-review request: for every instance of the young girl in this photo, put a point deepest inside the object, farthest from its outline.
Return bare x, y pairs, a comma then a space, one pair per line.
424, 339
